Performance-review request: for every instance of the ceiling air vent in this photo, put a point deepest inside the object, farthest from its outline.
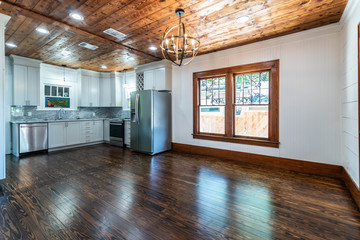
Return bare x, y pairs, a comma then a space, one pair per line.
88, 46
114, 33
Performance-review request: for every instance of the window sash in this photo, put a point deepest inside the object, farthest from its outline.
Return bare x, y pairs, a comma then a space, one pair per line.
270, 67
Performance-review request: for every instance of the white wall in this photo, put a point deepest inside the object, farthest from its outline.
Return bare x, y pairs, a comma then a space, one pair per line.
3, 21
349, 88
309, 94
8, 101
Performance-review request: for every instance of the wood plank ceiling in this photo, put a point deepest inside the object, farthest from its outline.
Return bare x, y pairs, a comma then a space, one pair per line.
214, 22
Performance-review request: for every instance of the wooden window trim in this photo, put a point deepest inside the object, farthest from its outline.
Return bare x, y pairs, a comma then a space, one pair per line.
273, 140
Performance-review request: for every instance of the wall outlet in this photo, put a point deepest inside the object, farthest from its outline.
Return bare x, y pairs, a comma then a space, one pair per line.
29, 114
93, 114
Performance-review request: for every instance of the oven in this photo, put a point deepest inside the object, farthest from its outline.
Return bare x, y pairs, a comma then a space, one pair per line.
117, 133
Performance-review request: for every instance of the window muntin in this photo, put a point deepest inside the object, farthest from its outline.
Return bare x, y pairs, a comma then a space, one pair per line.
212, 105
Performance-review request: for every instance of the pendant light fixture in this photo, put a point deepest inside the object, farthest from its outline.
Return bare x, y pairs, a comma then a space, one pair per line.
177, 45
64, 67
125, 83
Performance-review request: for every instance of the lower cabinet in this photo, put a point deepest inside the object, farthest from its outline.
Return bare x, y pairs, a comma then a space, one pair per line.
57, 135
73, 133
107, 130
63, 134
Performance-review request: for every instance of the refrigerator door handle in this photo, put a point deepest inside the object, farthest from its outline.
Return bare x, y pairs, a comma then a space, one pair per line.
137, 109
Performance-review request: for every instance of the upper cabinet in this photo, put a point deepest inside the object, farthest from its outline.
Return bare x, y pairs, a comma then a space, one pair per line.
26, 82
157, 75
90, 92
100, 89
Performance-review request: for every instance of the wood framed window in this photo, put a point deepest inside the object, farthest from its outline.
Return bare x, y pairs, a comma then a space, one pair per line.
238, 104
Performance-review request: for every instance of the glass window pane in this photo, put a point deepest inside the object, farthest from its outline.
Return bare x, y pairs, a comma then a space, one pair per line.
252, 121
264, 78
212, 119
264, 99
47, 90
60, 91
212, 91
53, 91
239, 89
66, 92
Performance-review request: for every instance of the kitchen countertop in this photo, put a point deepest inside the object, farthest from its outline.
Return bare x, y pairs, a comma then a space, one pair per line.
61, 120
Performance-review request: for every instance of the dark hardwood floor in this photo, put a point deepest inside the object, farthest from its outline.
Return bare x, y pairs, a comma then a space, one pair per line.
106, 192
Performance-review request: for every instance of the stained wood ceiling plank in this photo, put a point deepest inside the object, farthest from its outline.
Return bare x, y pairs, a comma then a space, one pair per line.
135, 12
219, 44
6, 7
42, 40
26, 28
291, 20
91, 6
14, 23
221, 27
59, 42
114, 61
27, 3
105, 11
31, 41
65, 8
46, 7
144, 21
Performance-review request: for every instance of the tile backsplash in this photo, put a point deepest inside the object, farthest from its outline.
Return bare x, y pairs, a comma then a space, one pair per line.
20, 113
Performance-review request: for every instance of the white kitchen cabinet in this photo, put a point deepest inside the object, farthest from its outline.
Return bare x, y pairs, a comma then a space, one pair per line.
94, 92
107, 130
89, 91
149, 80
105, 92
73, 133
98, 131
57, 134
26, 87
157, 75
156, 79
85, 91
159, 79
26, 81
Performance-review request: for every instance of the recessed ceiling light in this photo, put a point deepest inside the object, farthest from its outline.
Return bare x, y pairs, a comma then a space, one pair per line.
153, 48
103, 67
76, 16
42, 30
10, 44
243, 19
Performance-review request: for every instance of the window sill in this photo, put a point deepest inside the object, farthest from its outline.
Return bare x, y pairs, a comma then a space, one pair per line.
257, 142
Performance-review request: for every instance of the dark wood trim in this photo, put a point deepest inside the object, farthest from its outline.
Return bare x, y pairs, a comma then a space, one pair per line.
301, 166
229, 136
353, 189
229, 103
244, 140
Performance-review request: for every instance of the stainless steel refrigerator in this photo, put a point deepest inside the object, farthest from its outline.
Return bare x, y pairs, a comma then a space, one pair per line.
150, 121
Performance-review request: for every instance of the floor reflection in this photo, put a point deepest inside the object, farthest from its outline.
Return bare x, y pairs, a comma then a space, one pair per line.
212, 199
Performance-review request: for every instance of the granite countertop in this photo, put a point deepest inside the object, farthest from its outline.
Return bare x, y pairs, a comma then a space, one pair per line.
60, 120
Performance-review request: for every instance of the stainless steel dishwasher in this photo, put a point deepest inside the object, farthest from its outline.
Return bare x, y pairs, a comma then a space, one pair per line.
33, 137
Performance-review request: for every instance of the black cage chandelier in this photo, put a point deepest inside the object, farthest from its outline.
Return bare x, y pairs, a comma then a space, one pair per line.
177, 46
